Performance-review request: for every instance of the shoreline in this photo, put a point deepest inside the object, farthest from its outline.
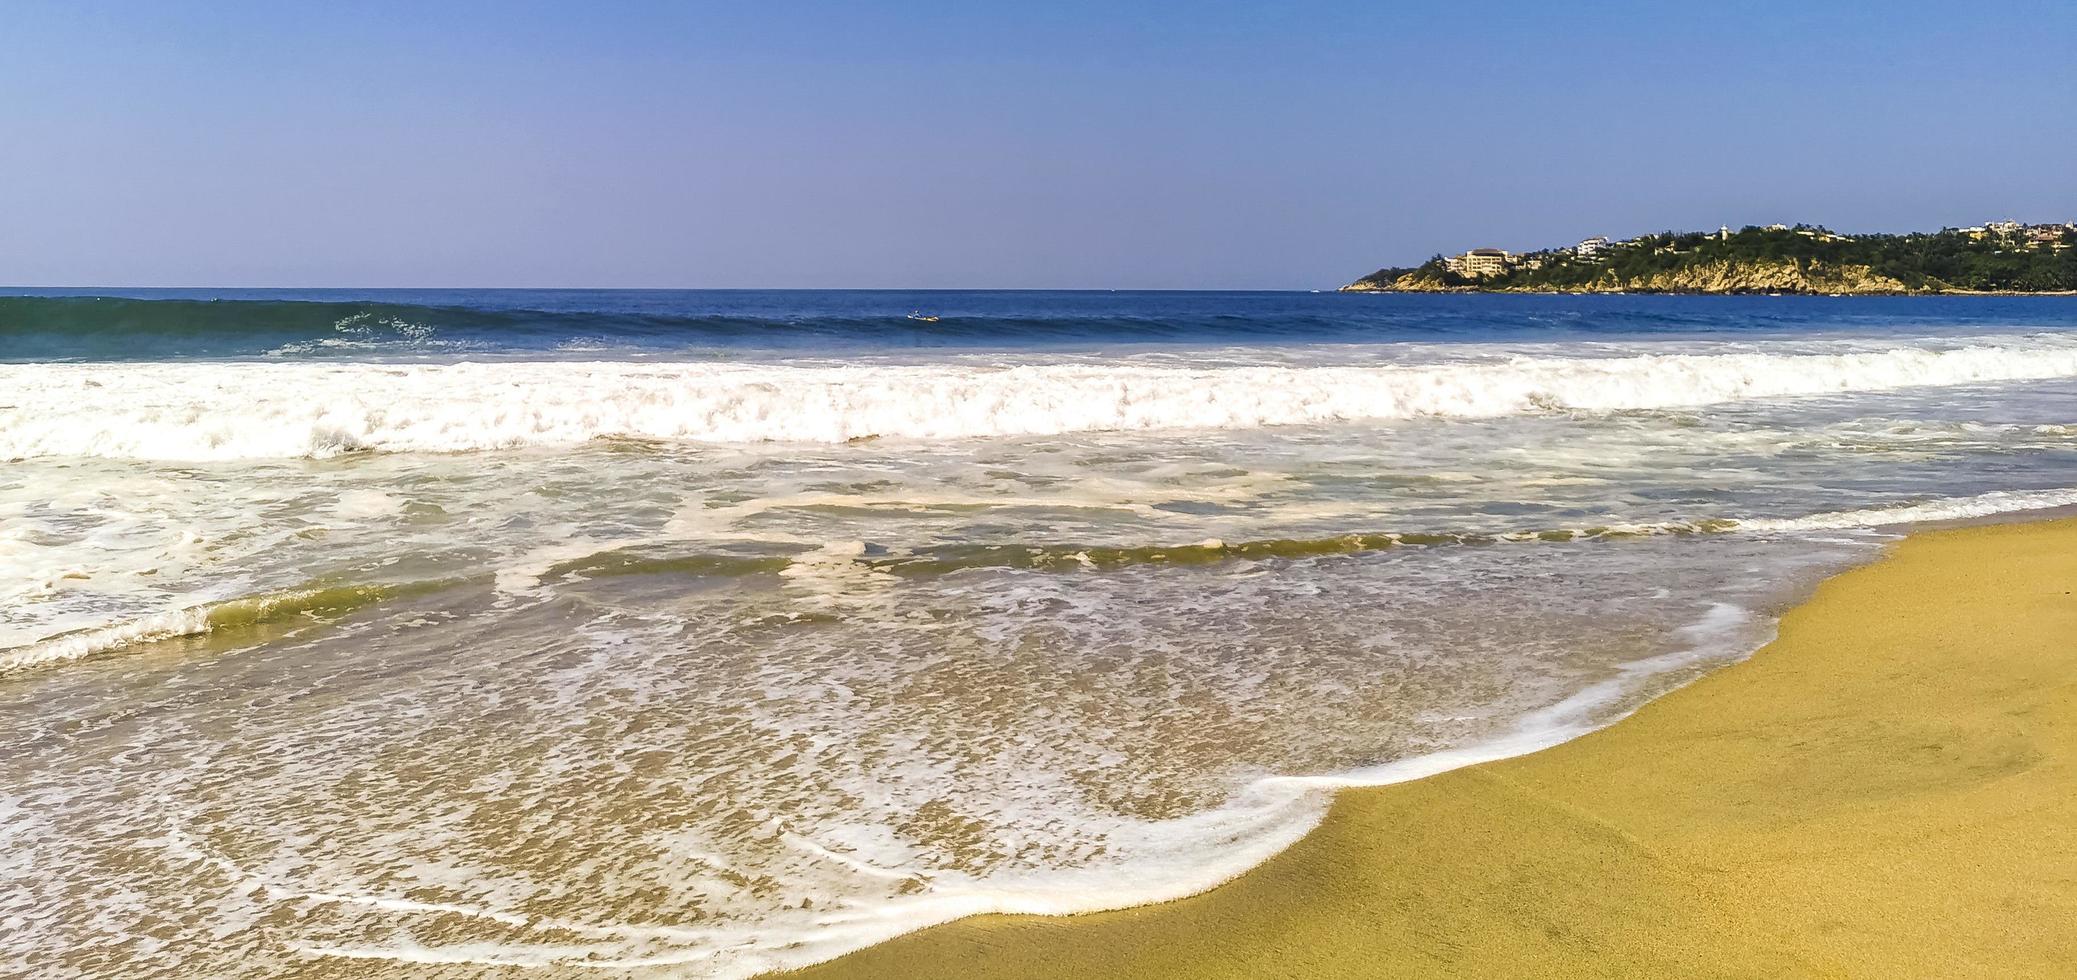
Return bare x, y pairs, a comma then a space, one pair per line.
1442, 290
1878, 790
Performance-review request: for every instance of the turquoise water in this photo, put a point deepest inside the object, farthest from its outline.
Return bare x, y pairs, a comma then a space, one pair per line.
701, 633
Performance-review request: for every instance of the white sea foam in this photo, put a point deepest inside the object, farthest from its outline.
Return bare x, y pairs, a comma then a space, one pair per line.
88, 642
367, 504
1176, 858
1152, 861
191, 411
832, 567
1945, 509
808, 720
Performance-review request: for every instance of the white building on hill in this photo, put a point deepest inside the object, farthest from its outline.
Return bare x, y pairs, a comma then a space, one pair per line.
1479, 263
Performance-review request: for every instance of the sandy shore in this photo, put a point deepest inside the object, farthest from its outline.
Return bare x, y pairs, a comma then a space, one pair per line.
1886, 791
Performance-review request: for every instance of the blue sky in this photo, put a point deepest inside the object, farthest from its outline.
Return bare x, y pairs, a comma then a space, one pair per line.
1066, 144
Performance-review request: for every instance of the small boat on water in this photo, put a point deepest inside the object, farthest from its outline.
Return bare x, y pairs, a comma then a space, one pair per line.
925, 317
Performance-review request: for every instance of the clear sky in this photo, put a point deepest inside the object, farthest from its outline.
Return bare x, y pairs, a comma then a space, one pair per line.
1035, 144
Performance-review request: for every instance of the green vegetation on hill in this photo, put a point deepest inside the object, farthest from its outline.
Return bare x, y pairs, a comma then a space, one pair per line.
1799, 259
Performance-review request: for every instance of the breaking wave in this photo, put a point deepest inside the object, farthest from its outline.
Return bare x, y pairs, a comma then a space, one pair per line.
132, 328
210, 411
316, 603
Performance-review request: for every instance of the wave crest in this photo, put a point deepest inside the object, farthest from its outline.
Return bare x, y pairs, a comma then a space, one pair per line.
318, 602
202, 411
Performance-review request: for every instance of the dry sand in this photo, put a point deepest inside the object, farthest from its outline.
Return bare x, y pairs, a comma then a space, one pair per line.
1886, 791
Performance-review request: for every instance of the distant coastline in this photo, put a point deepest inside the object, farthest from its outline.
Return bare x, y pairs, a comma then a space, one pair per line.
2001, 258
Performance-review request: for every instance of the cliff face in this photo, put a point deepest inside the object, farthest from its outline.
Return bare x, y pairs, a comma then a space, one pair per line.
1707, 277
1769, 277
1412, 282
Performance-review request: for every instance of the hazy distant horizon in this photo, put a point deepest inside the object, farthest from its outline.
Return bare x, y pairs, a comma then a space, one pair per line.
927, 146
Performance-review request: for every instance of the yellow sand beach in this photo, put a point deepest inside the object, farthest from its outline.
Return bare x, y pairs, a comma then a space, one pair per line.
1885, 791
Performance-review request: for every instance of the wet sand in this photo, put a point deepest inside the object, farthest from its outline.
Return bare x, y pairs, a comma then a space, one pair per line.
1889, 789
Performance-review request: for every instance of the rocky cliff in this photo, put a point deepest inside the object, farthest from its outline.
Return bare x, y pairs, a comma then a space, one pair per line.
1706, 277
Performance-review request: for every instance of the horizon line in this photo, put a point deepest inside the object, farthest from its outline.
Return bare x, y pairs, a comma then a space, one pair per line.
743, 289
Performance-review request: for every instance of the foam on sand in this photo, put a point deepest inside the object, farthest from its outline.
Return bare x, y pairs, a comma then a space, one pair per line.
1882, 792
1147, 861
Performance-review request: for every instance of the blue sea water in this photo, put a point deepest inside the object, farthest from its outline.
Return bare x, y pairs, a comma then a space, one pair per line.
709, 632
95, 324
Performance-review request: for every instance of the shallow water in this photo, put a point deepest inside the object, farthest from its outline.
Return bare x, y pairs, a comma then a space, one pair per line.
699, 634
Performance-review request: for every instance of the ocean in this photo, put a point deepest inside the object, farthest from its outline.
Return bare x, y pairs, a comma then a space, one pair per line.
702, 633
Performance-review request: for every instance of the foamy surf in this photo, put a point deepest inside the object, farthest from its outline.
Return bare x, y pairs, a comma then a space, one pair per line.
228, 411
1157, 861
1989, 504
840, 567
754, 688
84, 643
